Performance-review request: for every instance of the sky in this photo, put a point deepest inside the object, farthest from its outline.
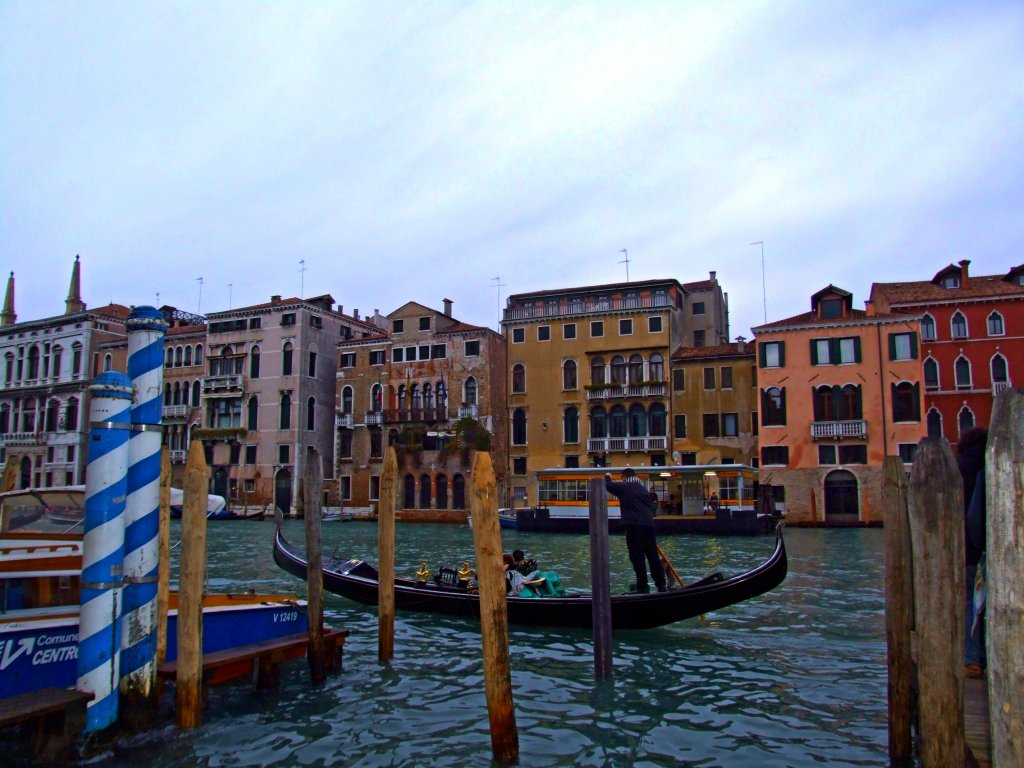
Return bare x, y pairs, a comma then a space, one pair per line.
208, 155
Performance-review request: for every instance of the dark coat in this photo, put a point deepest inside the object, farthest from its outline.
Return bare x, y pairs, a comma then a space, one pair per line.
636, 502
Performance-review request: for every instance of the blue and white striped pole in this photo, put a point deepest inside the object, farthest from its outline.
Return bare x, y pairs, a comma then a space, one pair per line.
106, 483
146, 328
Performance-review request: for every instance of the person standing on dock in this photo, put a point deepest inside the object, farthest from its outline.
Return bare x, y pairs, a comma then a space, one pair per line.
971, 461
637, 505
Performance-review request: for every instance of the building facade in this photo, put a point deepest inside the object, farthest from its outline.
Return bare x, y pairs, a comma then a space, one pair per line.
434, 388
840, 389
184, 368
972, 341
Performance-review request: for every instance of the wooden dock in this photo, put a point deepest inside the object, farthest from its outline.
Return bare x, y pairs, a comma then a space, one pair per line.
50, 717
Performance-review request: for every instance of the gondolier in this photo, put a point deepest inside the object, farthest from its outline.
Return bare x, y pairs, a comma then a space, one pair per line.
637, 504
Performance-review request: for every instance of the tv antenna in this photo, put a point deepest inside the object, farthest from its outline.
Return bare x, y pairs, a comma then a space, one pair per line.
302, 280
499, 285
626, 262
199, 306
764, 293
229, 294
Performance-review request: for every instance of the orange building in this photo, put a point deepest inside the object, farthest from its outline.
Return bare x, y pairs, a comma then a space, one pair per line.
840, 389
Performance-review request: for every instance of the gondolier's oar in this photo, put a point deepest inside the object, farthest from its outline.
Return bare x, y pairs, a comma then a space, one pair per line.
669, 568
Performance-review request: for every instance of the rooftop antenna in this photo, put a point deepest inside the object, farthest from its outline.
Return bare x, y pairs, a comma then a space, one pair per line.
302, 283
626, 262
158, 298
764, 293
229, 294
499, 285
199, 307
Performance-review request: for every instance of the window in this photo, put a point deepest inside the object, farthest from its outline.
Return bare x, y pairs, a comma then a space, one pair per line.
835, 351
424, 323
470, 391
773, 407
730, 425
773, 354
572, 462
518, 335
250, 454
597, 371
837, 403
657, 421
934, 422
711, 425
255, 323
931, 374
346, 399
286, 411
345, 482
345, 444
519, 465
965, 419
283, 454
678, 380
753, 422
472, 348
254, 363
698, 307
826, 455
906, 401
853, 454
962, 370
288, 319
1000, 374
377, 357
311, 413
315, 321
928, 328
902, 346
908, 452
598, 423
679, 425
518, 378
654, 324
951, 282
252, 414
286, 359
776, 455
958, 325
348, 359
596, 328
569, 375
831, 309
424, 350
626, 326
726, 377
519, 427
571, 425
618, 369
312, 364
374, 487
376, 443
397, 326
543, 333
698, 338
617, 422
636, 370
569, 331
995, 324
656, 368
709, 378
438, 351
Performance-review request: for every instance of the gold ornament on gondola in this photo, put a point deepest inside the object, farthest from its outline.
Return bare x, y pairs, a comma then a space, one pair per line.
466, 573
423, 574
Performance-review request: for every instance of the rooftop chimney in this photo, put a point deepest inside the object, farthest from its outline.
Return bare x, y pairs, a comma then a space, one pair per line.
275, 299
965, 279
355, 313
447, 307
713, 273
741, 344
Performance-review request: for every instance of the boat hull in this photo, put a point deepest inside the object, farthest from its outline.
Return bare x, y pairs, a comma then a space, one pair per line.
737, 522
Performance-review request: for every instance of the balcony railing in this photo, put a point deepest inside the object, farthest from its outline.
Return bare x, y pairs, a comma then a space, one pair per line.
175, 411
998, 387
178, 457
405, 415
24, 438
581, 307
373, 418
822, 430
626, 444
343, 420
229, 383
469, 411
614, 391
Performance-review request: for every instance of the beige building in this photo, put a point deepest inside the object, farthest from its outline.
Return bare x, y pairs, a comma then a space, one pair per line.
435, 389
184, 367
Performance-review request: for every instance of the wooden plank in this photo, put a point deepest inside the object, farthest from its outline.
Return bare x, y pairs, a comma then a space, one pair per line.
386, 557
935, 503
976, 722
163, 567
600, 579
1004, 615
188, 693
483, 506
312, 481
899, 610
29, 706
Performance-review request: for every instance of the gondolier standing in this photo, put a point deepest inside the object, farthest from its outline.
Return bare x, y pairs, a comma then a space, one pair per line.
637, 505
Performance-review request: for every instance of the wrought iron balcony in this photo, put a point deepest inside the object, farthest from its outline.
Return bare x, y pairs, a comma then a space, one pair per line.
823, 430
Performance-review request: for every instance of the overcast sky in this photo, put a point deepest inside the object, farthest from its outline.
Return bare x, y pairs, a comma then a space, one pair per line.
418, 151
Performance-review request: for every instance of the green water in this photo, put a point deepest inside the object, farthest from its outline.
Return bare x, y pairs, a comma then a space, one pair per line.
793, 678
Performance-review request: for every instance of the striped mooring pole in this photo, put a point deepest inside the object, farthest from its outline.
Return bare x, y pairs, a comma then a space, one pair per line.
106, 483
146, 328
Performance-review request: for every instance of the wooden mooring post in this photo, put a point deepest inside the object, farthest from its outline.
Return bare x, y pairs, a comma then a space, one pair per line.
483, 506
386, 557
163, 566
899, 610
312, 483
600, 580
189, 681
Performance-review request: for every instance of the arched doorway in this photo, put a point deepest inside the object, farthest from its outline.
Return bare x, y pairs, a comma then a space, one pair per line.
841, 504
459, 492
442, 492
283, 490
409, 492
220, 482
425, 492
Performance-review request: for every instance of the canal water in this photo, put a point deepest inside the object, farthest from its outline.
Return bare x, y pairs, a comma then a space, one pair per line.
794, 678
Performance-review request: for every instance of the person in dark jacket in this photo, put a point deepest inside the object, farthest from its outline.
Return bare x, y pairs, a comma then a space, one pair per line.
970, 460
637, 506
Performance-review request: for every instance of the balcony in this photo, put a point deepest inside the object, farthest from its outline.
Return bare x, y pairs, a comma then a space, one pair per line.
825, 430
409, 415
222, 384
580, 307
175, 411
615, 391
998, 387
373, 418
626, 444
343, 420
24, 438
178, 457
469, 412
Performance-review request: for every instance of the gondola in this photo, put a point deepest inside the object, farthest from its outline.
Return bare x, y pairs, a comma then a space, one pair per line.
358, 580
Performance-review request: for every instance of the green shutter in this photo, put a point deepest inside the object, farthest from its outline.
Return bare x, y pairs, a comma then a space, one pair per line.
913, 346
762, 356
782, 354
782, 397
856, 349
892, 346
814, 351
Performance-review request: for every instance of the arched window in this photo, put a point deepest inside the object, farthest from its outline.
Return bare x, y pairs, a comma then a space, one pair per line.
617, 422
184, 393
424, 491
254, 362
428, 396
459, 492
376, 438
636, 369
176, 400
346, 400
402, 391
637, 421
108, 362
571, 425
906, 401
71, 415
33, 362
962, 368
177, 357
569, 374
252, 414
286, 359
167, 393
599, 422
518, 378
849, 402
188, 356
1000, 374
168, 357
414, 397
55, 371
841, 494
376, 398
311, 413
286, 411
995, 324
442, 492
958, 325
519, 427
618, 370
656, 367
76, 359
470, 397
965, 419
657, 421
199, 354
52, 414
934, 422
597, 371
773, 407
928, 328
195, 393
931, 373
5, 419
442, 395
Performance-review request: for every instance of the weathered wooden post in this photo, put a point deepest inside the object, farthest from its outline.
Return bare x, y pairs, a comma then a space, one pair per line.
189, 679
600, 580
1004, 558
312, 482
386, 557
936, 510
483, 506
899, 609
163, 575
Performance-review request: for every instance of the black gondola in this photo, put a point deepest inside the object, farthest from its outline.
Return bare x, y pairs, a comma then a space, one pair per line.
357, 580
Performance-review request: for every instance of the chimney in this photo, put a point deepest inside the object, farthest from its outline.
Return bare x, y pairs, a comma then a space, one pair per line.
355, 314
447, 307
275, 299
741, 344
341, 310
965, 279
713, 273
